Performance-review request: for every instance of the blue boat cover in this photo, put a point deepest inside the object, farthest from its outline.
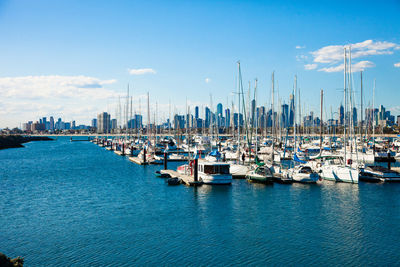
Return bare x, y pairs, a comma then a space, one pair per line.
296, 158
215, 153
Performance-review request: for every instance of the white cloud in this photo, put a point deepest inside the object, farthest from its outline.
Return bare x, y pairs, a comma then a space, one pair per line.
71, 97
53, 86
300, 47
310, 66
141, 71
359, 66
397, 65
334, 53
301, 57
207, 80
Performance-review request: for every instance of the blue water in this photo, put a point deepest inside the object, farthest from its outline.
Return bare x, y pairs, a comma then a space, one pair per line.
73, 203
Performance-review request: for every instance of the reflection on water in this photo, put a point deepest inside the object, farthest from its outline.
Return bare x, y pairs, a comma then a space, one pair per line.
75, 203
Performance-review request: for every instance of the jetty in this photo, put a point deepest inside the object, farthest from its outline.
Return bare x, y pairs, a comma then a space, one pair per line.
186, 179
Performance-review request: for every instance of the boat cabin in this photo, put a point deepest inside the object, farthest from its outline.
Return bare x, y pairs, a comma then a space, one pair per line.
214, 168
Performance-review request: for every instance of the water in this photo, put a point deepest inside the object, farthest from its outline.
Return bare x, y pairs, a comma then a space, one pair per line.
64, 203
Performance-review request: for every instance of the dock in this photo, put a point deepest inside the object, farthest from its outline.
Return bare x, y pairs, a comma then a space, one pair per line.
138, 161
120, 153
186, 179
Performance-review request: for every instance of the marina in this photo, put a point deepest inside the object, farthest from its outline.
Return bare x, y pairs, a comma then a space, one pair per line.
106, 197
199, 133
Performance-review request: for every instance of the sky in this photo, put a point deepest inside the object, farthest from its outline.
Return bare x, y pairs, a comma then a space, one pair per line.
75, 59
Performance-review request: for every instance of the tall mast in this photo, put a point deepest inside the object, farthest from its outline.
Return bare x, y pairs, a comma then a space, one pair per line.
131, 126
373, 118
321, 122
169, 124
361, 113
238, 117
345, 105
272, 115
256, 119
294, 114
148, 117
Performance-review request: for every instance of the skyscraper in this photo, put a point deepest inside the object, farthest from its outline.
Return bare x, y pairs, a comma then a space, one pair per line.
291, 111
103, 122
219, 109
285, 115
227, 117
94, 123
196, 112
341, 115
51, 123
208, 117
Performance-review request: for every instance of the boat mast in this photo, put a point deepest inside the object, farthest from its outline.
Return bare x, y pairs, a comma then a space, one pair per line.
272, 116
373, 119
321, 123
294, 115
238, 117
345, 106
361, 113
255, 119
148, 117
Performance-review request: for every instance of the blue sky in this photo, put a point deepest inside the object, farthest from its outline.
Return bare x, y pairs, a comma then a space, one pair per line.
73, 58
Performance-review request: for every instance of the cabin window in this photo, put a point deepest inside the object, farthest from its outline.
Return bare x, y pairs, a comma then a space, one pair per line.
224, 169
209, 169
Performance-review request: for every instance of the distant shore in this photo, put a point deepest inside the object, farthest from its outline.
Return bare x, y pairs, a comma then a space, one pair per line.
172, 134
15, 141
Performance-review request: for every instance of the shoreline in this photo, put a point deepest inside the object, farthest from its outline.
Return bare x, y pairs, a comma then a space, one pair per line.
16, 141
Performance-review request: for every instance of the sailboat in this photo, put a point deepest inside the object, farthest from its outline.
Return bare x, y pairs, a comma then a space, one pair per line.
339, 169
301, 172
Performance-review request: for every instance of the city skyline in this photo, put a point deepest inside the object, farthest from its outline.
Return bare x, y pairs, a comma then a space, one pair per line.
76, 66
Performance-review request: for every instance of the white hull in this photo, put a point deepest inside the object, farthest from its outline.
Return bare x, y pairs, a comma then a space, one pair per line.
238, 170
215, 179
340, 174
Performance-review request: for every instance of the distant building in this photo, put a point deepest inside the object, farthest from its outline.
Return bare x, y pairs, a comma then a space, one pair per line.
341, 115
103, 123
94, 123
219, 109
51, 128
114, 124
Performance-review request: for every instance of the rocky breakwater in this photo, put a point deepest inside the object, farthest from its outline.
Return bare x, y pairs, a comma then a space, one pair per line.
7, 262
13, 141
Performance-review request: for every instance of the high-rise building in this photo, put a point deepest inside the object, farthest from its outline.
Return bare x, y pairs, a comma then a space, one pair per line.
51, 123
382, 111
285, 115
341, 115
227, 117
94, 123
113, 124
291, 111
196, 112
354, 116
219, 110
103, 123
207, 117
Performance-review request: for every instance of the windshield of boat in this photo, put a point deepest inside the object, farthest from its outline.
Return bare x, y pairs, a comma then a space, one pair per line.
216, 169
263, 171
305, 169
